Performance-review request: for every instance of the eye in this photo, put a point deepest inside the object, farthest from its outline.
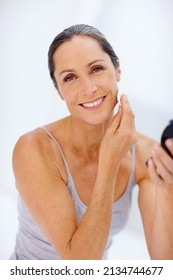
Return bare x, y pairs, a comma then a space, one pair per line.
96, 69
69, 78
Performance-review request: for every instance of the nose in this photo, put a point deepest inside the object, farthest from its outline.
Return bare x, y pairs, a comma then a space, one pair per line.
88, 86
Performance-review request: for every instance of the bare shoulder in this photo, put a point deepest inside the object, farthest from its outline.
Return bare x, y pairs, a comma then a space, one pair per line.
144, 145
35, 140
34, 152
31, 141
143, 153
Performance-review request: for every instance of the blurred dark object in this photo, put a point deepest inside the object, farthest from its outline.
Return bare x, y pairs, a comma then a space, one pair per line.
167, 133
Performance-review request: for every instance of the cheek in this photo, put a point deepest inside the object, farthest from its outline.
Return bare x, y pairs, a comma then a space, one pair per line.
68, 96
109, 82
65, 93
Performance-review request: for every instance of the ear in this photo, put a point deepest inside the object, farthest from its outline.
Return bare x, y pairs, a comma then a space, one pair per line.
118, 72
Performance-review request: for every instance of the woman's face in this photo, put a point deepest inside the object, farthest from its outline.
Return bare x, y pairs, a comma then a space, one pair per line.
87, 79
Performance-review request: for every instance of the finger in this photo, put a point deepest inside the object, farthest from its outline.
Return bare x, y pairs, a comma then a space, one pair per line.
127, 113
162, 158
169, 145
155, 177
116, 121
162, 170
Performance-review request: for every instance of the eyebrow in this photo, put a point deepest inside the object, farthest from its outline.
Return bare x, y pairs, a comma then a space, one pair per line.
66, 71
97, 60
72, 70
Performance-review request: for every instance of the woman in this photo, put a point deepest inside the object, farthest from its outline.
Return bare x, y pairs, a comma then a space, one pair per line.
75, 176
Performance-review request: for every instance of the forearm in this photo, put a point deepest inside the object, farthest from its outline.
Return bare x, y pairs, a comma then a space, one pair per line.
162, 233
90, 238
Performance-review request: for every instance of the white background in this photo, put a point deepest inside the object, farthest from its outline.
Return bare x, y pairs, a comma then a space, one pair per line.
141, 33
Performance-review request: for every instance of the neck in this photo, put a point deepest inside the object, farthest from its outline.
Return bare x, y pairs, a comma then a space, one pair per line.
86, 138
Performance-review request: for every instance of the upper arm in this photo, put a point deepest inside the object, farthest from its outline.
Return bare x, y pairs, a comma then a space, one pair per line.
41, 182
146, 196
146, 201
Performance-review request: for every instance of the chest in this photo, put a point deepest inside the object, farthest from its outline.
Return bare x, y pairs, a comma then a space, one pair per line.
84, 177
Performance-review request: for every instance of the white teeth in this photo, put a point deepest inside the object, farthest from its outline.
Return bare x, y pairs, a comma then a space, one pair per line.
93, 104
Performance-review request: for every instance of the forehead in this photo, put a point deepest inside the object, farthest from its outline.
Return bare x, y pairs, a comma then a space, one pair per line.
80, 49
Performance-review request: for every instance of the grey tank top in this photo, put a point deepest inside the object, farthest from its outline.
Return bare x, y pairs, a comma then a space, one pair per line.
32, 244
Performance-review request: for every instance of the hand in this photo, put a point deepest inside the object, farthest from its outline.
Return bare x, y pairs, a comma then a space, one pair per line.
160, 165
120, 135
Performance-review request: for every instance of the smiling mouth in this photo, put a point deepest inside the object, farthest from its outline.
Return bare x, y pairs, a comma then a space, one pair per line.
94, 104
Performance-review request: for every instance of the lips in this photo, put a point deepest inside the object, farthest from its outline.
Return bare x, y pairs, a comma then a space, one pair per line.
93, 104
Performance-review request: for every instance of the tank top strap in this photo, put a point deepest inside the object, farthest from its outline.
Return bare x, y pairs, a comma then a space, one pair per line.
133, 158
132, 181
56, 142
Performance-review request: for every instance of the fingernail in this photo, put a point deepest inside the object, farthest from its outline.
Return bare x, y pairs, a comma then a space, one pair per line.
154, 148
169, 142
148, 160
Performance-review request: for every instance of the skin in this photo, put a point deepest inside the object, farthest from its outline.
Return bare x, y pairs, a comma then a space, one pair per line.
97, 143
